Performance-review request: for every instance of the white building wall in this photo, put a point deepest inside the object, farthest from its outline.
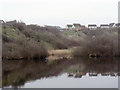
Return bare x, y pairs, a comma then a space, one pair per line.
104, 27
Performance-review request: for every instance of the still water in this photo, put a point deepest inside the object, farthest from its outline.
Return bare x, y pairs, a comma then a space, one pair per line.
74, 73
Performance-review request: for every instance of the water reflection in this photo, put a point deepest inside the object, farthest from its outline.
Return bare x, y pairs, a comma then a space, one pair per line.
17, 73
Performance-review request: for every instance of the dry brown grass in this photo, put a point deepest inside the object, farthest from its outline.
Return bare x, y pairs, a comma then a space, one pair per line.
59, 54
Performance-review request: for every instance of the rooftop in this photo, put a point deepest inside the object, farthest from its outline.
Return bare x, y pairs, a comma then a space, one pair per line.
69, 25
104, 25
92, 25
76, 24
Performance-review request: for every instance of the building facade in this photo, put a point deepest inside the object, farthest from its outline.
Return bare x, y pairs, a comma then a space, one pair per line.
76, 26
92, 26
104, 26
69, 27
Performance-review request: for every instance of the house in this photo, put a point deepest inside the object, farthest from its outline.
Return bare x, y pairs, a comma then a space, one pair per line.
69, 27
111, 25
82, 27
77, 26
117, 25
104, 26
92, 26
114, 25
1, 21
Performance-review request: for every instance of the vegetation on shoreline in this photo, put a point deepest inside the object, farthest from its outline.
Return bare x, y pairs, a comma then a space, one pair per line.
21, 41
104, 44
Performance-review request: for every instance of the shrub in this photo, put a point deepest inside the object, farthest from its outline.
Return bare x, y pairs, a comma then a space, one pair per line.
104, 44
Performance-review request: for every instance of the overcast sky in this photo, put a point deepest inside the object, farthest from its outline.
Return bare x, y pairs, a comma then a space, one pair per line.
60, 12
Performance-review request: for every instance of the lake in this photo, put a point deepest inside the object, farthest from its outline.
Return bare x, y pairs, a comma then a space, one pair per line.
72, 73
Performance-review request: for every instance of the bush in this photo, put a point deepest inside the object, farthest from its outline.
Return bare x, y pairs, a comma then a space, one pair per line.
26, 51
104, 44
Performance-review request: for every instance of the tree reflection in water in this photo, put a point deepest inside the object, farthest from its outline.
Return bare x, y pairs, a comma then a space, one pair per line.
17, 73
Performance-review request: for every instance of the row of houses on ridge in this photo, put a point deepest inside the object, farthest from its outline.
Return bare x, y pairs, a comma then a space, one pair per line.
77, 26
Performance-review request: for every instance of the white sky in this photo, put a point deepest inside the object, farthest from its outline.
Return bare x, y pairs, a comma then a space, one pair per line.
60, 12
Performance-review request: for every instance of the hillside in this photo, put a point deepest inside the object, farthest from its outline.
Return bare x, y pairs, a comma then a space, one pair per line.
21, 41
95, 43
